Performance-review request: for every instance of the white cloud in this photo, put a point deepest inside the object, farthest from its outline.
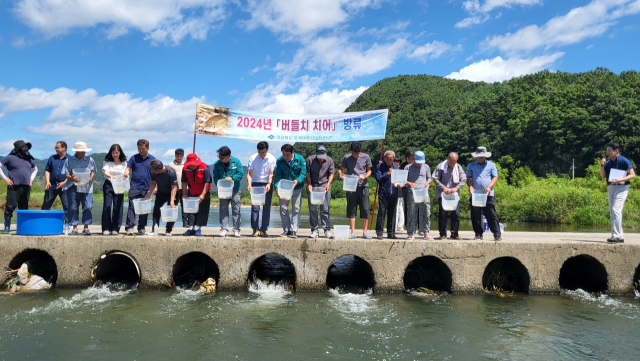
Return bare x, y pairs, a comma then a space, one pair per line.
580, 23
479, 12
499, 69
433, 50
19, 43
159, 20
471, 20
103, 120
306, 101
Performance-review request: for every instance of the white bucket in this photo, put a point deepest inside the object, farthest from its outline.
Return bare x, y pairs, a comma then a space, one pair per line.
258, 196
142, 206
350, 183
191, 205
479, 198
225, 189
450, 201
317, 195
169, 214
285, 189
341, 232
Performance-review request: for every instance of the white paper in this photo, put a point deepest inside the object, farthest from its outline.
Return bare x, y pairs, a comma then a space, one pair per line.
617, 174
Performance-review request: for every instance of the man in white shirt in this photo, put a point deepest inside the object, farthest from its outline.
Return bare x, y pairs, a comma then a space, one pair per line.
261, 168
178, 166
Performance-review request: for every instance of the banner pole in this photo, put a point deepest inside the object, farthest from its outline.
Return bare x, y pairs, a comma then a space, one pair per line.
195, 128
375, 197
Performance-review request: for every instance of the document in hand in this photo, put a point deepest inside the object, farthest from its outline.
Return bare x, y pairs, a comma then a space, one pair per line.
617, 174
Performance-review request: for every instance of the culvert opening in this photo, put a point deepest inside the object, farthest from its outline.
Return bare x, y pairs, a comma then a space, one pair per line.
350, 274
583, 272
428, 272
193, 268
40, 263
273, 269
506, 274
116, 268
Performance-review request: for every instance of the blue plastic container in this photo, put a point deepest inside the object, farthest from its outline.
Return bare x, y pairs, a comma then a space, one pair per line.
39, 223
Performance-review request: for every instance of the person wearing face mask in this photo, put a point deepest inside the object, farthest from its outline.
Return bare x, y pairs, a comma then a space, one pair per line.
22, 171
320, 171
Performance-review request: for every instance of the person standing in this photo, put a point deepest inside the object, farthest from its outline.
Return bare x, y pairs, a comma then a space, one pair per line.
196, 183
418, 213
482, 175
22, 171
140, 175
387, 196
320, 171
618, 187
290, 166
177, 165
358, 164
261, 168
230, 169
78, 192
449, 178
165, 182
409, 159
400, 219
55, 177
115, 165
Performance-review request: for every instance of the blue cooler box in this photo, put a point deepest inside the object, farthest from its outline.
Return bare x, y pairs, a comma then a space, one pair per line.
39, 223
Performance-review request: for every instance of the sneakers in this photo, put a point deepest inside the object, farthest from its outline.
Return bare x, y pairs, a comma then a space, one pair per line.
379, 236
263, 234
189, 232
285, 234
236, 233
441, 238
410, 237
392, 236
74, 232
497, 239
456, 237
86, 232
328, 234
130, 232
292, 234
477, 238
223, 233
255, 233
168, 234
106, 233
114, 233
314, 234
142, 232
615, 240
428, 237
198, 232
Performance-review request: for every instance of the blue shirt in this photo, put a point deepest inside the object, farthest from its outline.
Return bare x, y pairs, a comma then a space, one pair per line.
57, 168
384, 180
481, 174
140, 171
75, 164
621, 163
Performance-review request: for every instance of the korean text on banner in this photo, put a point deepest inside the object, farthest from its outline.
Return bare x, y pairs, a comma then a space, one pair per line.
241, 124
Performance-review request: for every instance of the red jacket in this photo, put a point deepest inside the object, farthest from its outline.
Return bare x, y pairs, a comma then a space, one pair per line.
197, 179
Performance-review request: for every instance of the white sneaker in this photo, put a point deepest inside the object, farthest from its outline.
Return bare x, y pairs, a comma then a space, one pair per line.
106, 233
114, 233
223, 233
328, 234
314, 234
130, 232
168, 234
236, 233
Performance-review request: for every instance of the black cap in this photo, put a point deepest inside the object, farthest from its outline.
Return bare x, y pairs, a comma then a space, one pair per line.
321, 149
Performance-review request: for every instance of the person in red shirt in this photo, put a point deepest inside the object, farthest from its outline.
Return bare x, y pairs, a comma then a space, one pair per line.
196, 182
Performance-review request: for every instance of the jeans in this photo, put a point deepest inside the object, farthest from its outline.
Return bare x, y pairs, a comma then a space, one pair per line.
112, 209
75, 200
324, 215
17, 195
135, 193
291, 223
266, 210
617, 197
492, 218
418, 213
442, 220
235, 211
50, 197
386, 206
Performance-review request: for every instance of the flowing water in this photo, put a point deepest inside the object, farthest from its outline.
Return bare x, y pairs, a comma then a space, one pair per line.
269, 323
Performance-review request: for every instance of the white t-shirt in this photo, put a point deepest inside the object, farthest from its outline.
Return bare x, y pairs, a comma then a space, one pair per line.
261, 167
113, 169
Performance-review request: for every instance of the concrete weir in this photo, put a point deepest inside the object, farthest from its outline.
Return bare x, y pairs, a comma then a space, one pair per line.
535, 262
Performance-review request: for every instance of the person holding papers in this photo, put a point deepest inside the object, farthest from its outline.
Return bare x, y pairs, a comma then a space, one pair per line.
618, 171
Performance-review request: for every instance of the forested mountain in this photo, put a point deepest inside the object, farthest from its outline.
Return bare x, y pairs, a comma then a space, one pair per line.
542, 121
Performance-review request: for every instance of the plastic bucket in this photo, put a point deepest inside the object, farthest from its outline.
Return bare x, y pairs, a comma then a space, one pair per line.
258, 196
450, 201
341, 232
39, 223
191, 205
285, 189
479, 198
169, 214
399, 176
120, 184
142, 206
420, 195
84, 177
317, 195
350, 183
225, 189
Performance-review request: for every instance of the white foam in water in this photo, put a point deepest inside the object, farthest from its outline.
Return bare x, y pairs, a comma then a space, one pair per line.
362, 308
605, 302
426, 296
269, 294
92, 296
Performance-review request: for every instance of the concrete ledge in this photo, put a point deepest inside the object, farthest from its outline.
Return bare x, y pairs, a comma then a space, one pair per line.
543, 254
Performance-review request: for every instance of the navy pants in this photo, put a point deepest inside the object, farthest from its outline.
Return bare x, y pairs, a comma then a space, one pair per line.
50, 197
17, 196
112, 209
492, 218
386, 206
266, 210
135, 193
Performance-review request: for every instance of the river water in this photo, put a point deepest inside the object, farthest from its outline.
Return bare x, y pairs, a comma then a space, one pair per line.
269, 323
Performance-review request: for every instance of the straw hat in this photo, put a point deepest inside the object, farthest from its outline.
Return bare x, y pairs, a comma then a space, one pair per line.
81, 147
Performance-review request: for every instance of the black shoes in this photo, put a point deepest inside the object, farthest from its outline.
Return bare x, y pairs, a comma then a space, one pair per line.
285, 234
615, 240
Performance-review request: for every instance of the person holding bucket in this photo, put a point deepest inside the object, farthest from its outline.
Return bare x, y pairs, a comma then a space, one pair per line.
140, 175
449, 178
260, 171
290, 166
482, 175
320, 170
357, 164
387, 196
230, 169
22, 171
418, 213
196, 183
115, 165
80, 191
165, 182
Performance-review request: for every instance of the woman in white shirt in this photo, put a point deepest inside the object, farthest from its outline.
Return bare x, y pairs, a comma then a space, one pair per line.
115, 165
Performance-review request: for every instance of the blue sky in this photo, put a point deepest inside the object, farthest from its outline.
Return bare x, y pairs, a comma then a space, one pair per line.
108, 72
